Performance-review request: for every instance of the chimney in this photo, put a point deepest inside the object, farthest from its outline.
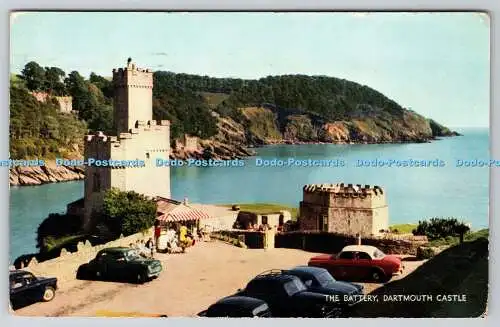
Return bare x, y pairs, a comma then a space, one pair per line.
185, 202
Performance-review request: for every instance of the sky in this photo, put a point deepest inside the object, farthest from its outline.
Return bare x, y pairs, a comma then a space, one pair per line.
437, 64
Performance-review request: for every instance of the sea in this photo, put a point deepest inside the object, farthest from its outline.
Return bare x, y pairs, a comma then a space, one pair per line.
448, 177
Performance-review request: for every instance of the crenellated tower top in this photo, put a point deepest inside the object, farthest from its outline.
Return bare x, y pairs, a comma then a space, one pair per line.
132, 76
344, 189
133, 96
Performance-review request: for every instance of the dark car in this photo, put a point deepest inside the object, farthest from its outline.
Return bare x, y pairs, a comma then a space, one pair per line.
321, 281
287, 296
238, 307
120, 263
26, 288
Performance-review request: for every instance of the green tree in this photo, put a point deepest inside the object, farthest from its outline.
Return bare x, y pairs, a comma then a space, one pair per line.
17, 81
56, 226
78, 88
105, 85
102, 119
39, 129
34, 75
128, 212
437, 228
54, 81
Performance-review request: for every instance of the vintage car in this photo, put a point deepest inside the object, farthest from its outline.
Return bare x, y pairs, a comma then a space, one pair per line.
287, 296
120, 264
237, 307
26, 288
360, 262
319, 280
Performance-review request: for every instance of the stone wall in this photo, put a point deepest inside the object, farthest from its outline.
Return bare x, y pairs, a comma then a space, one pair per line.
250, 239
147, 143
65, 104
137, 138
324, 242
188, 143
40, 96
225, 222
65, 266
344, 208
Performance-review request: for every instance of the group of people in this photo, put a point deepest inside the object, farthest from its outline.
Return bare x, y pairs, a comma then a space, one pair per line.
146, 249
176, 238
171, 241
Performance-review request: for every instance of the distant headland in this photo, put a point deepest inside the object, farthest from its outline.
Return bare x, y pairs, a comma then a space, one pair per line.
211, 118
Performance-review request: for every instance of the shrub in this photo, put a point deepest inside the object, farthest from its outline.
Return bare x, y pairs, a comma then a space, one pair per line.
54, 227
128, 213
424, 252
437, 228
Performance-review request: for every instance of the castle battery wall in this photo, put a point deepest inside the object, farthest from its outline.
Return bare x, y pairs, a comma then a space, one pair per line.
344, 208
145, 143
97, 179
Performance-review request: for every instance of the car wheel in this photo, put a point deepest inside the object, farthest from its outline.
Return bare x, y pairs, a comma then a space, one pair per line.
49, 294
377, 276
141, 277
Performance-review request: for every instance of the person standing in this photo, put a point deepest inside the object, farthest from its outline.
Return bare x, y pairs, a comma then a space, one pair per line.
157, 232
150, 246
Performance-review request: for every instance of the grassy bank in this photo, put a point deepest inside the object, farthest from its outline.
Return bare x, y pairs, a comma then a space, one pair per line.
469, 237
53, 243
402, 228
263, 208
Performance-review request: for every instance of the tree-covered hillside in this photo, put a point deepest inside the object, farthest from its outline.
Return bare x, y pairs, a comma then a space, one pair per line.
306, 108
93, 104
290, 107
38, 129
330, 98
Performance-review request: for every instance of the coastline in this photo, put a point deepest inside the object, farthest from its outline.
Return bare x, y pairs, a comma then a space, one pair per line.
49, 173
52, 173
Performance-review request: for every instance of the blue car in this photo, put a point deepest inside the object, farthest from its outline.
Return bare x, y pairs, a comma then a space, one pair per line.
319, 280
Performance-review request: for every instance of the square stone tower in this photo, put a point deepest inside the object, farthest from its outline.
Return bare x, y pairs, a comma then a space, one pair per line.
131, 153
133, 97
345, 209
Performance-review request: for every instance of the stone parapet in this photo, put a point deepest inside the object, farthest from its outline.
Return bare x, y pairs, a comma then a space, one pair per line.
353, 190
65, 266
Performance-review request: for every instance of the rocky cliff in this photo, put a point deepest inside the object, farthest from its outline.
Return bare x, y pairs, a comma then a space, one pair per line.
49, 173
264, 126
268, 126
230, 142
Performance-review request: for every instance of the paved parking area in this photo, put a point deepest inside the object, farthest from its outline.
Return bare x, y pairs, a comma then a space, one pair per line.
189, 283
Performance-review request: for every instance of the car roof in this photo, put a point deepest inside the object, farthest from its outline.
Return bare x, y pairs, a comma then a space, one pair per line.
241, 301
18, 272
278, 277
116, 249
360, 248
307, 270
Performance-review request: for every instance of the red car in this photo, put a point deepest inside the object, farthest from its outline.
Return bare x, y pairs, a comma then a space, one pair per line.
360, 262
